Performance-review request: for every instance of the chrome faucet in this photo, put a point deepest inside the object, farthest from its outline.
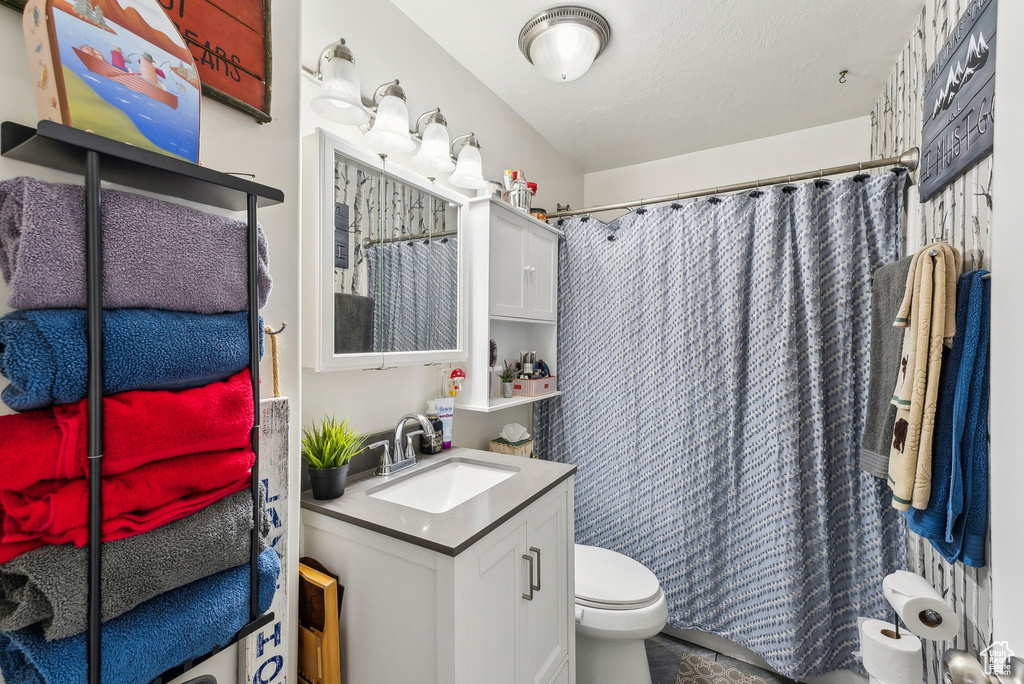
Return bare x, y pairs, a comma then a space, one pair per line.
402, 459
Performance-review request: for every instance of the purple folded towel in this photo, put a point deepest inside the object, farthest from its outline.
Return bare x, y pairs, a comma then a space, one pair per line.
156, 254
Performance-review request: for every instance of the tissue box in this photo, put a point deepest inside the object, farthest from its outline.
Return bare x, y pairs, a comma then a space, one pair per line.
523, 448
534, 387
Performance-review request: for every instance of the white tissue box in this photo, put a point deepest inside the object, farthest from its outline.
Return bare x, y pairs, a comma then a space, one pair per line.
501, 446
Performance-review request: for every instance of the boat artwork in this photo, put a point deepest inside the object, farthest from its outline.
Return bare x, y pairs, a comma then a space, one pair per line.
117, 68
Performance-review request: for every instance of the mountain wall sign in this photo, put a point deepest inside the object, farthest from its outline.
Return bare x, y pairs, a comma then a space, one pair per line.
958, 102
230, 43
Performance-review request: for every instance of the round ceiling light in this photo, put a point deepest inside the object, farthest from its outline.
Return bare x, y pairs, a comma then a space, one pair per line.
562, 42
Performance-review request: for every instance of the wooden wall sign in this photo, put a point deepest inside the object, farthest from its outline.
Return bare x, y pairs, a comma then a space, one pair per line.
230, 43
959, 94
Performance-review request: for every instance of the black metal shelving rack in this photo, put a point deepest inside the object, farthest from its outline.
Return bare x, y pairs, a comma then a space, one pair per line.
97, 158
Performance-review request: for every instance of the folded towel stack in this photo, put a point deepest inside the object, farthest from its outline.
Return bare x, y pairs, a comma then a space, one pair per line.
956, 519
178, 416
928, 313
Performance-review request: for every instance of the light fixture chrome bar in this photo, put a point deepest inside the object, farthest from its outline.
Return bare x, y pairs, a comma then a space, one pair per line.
908, 160
367, 242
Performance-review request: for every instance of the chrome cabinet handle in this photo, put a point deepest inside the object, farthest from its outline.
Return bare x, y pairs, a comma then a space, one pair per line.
529, 559
534, 549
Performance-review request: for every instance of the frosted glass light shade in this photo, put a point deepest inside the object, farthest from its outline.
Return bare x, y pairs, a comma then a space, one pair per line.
390, 132
564, 52
433, 156
469, 172
339, 99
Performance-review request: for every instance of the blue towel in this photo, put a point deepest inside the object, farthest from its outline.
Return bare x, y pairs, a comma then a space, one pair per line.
44, 352
956, 520
145, 642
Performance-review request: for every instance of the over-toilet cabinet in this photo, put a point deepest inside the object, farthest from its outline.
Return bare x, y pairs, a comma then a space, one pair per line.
410, 614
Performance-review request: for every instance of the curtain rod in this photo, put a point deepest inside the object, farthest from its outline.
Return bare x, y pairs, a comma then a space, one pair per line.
908, 160
367, 242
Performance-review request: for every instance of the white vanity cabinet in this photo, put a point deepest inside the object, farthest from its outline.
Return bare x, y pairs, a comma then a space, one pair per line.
522, 260
412, 614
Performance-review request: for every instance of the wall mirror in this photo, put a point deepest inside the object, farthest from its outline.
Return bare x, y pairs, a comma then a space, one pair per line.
384, 245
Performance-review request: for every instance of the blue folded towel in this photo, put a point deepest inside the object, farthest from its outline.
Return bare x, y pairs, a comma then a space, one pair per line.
956, 520
44, 352
145, 642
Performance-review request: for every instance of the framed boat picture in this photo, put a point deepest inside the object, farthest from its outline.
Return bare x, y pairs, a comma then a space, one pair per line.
117, 68
230, 43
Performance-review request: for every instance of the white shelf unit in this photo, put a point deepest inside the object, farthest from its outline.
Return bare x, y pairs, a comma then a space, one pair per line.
513, 297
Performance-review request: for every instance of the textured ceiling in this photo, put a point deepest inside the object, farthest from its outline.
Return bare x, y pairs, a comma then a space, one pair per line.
682, 75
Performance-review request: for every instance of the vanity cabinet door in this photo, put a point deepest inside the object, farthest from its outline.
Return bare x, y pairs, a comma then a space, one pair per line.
495, 585
509, 271
542, 274
544, 635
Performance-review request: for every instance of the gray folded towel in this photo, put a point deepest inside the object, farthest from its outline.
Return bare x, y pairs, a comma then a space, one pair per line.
156, 255
887, 287
353, 324
48, 585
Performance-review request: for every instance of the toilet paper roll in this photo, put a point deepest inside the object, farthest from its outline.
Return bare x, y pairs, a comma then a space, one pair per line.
888, 659
920, 606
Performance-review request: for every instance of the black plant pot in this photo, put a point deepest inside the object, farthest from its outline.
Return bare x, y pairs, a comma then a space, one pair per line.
328, 483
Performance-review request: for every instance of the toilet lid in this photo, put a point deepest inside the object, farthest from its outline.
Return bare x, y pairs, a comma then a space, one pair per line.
608, 579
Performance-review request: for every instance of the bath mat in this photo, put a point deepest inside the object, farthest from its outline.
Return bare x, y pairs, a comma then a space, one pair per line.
695, 669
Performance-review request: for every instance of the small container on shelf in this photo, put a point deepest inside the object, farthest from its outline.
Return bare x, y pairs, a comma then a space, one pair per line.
534, 387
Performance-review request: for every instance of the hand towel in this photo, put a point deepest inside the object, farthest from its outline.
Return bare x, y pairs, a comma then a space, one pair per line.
44, 352
56, 511
48, 586
156, 255
887, 286
138, 428
928, 314
162, 633
956, 520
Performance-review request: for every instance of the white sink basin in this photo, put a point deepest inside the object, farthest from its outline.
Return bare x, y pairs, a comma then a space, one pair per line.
441, 489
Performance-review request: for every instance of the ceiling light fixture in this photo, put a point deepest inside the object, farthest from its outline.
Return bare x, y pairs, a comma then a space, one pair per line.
339, 99
562, 42
469, 173
433, 157
389, 132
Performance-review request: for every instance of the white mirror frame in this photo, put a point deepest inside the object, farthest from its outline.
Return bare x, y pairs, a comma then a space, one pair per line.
319, 152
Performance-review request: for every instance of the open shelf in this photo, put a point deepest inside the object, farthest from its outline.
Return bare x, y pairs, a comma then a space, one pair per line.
64, 148
499, 403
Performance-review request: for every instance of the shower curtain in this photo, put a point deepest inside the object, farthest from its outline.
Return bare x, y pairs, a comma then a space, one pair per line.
415, 284
714, 360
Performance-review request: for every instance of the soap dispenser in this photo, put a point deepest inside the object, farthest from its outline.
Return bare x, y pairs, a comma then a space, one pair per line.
435, 443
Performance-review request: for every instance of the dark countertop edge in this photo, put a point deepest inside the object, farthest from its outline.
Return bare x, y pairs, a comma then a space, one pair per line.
426, 543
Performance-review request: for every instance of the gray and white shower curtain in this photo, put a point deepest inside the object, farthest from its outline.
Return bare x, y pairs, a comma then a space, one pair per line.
714, 360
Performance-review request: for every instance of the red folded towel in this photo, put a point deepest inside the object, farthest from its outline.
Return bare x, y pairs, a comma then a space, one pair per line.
140, 500
139, 428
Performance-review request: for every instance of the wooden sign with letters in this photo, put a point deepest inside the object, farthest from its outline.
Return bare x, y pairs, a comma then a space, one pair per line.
230, 43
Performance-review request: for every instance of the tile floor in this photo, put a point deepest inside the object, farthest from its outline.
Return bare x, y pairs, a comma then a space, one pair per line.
665, 652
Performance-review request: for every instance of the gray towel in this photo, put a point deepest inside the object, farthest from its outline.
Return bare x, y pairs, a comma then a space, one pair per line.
353, 323
156, 255
887, 287
48, 585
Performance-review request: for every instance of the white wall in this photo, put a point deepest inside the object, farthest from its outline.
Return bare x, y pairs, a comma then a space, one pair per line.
387, 45
233, 142
811, 148
1007, 372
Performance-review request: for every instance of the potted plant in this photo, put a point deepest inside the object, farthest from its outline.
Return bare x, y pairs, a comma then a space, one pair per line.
327, 449
508, 375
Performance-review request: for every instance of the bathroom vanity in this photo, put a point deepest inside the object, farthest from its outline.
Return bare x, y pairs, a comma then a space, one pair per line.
458, 570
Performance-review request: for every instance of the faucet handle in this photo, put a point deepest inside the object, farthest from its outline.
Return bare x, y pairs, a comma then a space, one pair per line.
410, 451
385, 457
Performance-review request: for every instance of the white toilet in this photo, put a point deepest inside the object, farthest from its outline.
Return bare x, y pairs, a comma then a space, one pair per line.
619, 603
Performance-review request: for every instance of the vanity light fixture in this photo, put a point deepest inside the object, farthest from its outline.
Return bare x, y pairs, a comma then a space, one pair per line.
469, 169
433, 157
339, 99
562, 42
389, 128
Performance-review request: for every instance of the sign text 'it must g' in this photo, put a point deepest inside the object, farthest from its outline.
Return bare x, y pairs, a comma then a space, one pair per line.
959, 97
